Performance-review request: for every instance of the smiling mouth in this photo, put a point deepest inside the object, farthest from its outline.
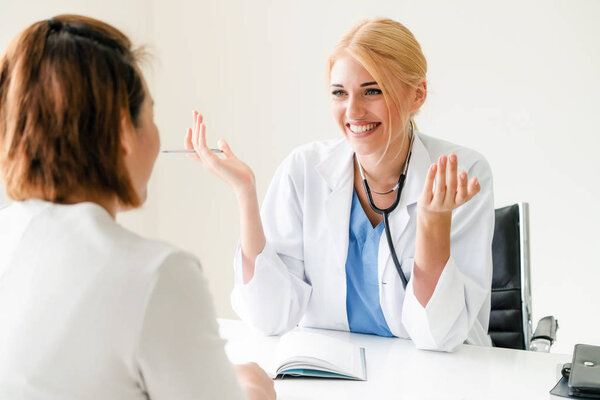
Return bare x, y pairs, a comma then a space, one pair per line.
363, 128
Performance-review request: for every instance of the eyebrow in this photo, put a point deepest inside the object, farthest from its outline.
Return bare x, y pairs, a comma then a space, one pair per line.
362, 85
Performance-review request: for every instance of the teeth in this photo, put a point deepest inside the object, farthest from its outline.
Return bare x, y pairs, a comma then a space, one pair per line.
362, 128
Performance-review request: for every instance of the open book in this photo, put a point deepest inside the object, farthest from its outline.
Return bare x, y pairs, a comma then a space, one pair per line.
311, 354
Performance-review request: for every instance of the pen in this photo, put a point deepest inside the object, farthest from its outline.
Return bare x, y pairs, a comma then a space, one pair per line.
189, 151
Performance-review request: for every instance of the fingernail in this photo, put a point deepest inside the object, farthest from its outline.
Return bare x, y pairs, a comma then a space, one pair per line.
453, 157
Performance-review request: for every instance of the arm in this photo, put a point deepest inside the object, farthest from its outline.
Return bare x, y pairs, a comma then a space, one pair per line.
270, 292
434, 218
241, 179
457, 308
181, 354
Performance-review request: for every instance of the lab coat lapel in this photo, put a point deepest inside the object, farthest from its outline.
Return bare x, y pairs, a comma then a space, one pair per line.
338, 172
399, 218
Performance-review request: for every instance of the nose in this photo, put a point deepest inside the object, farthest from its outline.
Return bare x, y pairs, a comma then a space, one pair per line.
355, 108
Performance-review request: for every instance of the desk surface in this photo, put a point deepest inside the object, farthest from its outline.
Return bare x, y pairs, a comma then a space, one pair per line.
395, 369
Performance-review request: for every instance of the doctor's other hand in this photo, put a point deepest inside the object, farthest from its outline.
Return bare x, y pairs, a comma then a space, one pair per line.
232, 170
255, 382
451, 188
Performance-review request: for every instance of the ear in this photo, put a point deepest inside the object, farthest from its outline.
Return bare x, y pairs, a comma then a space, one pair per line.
127, 134
420, 95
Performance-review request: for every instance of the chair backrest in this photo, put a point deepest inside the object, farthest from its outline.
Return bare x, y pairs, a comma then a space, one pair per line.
510, 318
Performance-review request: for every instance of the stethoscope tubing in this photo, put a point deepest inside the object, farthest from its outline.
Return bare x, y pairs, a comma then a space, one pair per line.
385, 212
388, 235
386, 223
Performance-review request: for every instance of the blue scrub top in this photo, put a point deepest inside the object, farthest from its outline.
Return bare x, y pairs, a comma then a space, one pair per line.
362, 285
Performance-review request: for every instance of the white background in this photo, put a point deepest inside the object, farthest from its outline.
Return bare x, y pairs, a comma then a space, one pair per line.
519, 81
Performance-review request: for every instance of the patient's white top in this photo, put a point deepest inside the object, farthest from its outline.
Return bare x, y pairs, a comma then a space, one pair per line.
90, 310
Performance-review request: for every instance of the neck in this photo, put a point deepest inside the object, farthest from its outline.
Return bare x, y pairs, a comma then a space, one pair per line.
383, 173
108, 202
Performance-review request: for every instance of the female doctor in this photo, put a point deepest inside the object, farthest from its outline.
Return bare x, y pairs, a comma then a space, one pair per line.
377, 232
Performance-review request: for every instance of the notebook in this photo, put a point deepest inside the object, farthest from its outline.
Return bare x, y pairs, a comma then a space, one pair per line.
311, 354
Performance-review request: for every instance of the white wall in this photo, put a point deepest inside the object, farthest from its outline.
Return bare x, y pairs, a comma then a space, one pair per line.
518, 81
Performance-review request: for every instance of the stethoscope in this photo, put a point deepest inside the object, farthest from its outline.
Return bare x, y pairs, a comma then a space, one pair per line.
386, 212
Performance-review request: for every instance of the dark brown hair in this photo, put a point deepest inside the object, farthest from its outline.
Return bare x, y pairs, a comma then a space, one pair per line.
65, 85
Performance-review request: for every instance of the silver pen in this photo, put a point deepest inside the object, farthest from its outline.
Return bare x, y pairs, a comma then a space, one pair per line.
189, 151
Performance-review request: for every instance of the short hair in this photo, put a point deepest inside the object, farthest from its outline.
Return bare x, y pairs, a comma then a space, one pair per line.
65, 85
390, 53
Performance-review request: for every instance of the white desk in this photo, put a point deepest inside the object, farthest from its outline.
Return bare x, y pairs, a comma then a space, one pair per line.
396, 370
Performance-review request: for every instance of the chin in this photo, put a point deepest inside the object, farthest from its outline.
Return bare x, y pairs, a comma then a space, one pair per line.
366, 149
143, 196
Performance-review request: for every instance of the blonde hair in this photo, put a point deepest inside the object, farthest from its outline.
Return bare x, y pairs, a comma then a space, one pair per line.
390, 53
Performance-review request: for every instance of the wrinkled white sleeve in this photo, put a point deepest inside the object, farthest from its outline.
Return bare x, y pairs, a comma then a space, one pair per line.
459, 308
181, 355
276, 297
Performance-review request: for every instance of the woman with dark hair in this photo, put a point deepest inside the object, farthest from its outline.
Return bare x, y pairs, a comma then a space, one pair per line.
89, 309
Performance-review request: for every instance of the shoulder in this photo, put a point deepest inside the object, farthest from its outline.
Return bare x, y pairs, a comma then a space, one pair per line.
123, 250
314, 153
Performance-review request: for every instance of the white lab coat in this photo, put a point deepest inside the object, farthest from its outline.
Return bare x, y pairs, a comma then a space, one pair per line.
300, 276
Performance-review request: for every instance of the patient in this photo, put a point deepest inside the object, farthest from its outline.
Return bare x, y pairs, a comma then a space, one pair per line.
87, 308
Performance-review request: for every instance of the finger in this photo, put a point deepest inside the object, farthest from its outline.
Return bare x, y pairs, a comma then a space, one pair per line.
428, 188
187, 139
440, 181
199, 134
202, 130
474, 188
195, 119
197, 116
451, 185
187, 144
194, 138
224, 146
461, 191
208, 156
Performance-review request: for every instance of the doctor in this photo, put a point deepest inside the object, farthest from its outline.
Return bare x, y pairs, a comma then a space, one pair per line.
320, 255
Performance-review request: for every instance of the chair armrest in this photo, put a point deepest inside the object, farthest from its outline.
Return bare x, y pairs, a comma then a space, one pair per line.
544, 335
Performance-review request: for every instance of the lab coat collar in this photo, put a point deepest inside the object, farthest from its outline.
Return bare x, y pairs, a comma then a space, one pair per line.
338, 168
338, 172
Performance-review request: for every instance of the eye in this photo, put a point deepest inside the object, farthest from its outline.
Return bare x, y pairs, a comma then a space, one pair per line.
338, 93
372, 92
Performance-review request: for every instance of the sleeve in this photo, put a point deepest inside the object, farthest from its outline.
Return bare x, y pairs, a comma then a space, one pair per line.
276, 298
180, 354
459, 308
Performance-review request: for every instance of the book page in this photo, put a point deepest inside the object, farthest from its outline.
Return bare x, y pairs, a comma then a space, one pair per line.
311, 349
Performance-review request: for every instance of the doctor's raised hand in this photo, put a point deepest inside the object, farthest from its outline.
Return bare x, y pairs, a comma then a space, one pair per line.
229, 168
240, 177
445, 190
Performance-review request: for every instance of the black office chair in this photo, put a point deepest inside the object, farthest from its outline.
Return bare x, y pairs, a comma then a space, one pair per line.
510, 318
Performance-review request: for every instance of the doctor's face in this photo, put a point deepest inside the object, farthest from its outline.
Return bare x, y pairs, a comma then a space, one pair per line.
359, 108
